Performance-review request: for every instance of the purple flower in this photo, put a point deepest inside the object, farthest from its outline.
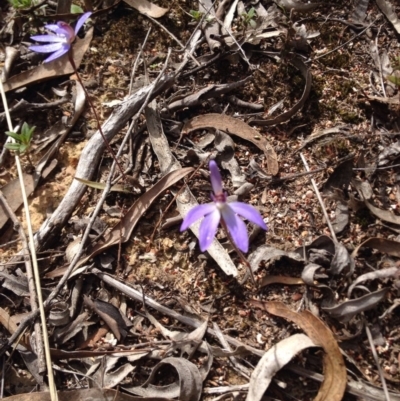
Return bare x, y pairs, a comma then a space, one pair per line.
219, 209
59, 42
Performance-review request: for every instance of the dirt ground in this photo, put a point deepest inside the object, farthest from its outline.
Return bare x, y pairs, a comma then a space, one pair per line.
299, 105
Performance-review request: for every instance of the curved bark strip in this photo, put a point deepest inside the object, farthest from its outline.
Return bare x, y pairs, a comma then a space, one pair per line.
90, 159
287, 115
234, 126
335, 375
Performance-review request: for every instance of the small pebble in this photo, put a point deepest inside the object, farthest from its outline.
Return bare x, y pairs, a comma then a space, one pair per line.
297, 296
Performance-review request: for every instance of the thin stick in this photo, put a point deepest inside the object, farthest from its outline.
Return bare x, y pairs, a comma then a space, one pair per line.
52, 385
375, 355
228, 31
345, 43
380, 62
172, 36
298, 175
136, 63
320, 200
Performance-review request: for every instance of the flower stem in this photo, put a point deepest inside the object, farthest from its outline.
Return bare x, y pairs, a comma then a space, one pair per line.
240, 253
71, 60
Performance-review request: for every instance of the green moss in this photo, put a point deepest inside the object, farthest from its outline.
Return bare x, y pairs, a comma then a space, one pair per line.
350, 117
337, 103
336, 60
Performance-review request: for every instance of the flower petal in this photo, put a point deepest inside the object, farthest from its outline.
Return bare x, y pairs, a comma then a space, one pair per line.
58, 53
81, 21
51, 27
208, 229
236, 228
48, 38
248, 212
46, 48
197, 213
216, 180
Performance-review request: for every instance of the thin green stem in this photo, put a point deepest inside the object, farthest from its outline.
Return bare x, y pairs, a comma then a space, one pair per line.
239, 252
71, 60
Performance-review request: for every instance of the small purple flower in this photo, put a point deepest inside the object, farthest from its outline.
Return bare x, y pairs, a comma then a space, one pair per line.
59, 42
219, 209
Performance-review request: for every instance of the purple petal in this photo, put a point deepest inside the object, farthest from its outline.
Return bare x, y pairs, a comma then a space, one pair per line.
197, 213
248, 212
57, 54
51, 27
48, 38
46, 48
208, 229
81, 21
236, 228
216, 180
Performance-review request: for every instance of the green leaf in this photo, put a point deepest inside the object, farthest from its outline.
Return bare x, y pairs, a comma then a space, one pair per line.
21, 3
23, 147
251, 13
196, 15
394, 79
13, 146
27, 131
14, 135
76, 9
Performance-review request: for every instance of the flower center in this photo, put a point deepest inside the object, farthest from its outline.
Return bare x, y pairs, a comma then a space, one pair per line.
66, 31
219, 198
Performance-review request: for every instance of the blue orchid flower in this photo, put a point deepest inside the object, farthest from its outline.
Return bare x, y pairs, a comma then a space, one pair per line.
60, 42
220, 209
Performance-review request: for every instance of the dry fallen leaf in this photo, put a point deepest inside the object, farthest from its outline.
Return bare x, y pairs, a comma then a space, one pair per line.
348, 309
297, 5
381, 244
335, 376
274, 360
187, 388
269, 254
147, 8
385, 215
111, 316
374, 275
287, 115
389, 10
267, 280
